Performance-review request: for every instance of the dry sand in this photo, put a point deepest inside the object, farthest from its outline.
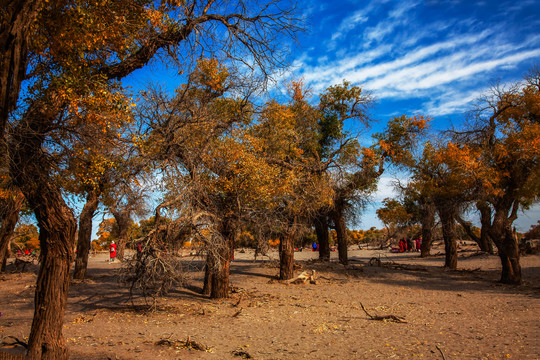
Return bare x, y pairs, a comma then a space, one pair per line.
463, 314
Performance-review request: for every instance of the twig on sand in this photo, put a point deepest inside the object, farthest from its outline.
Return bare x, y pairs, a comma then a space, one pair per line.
187, 344
5, 344
393, 318
438, 348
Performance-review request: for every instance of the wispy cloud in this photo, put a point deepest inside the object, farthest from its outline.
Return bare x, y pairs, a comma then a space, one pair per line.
447, 57
352, 21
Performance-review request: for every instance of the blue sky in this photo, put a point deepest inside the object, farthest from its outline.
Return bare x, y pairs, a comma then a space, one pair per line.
432, 57
428, 57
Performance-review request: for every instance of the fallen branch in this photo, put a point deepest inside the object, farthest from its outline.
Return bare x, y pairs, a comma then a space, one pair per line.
14, 343
304, 277
393, 318
438, 348
187, 344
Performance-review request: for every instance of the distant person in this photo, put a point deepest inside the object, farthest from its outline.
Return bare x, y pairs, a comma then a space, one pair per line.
418, 242
314, 246
139, 250
402, 245
409, 244
112, 251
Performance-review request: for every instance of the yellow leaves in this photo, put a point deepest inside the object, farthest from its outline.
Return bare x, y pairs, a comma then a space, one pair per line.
273, 242
211, 74
155, 18
420, 122
297, 90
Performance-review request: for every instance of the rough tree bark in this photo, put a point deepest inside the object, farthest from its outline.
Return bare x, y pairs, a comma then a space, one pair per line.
485, 222
286, 252
428, 223
85, 234
30, 173
341, 233
448, 213
17, 19
503, 236
218, 259
12, 208
321, 229
207, 285
221, 263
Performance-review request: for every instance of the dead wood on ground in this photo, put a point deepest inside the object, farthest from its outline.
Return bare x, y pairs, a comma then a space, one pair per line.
303, 278
183, 344
393, 318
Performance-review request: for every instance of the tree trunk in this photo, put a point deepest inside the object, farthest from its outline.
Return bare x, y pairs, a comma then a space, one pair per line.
480, 241
123, 219
286, 253
321, 229
4, 256
222, 265
17, 19
509, 255
447, 215
85, 234
30, 172
10, 218
57, 228
507, 244
341, 234
485, 221
208, 268
428, 223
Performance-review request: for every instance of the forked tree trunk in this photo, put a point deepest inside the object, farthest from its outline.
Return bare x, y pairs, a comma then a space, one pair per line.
341, 234
428, 223
467, 227
10, 218
321, 229
286, 253
448, 222
507, 245
85, 234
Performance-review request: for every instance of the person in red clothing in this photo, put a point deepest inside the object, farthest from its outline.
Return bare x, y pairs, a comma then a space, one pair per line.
401, 245
112, 251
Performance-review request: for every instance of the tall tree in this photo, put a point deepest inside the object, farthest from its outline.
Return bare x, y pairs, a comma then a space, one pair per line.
503, 137
79, 49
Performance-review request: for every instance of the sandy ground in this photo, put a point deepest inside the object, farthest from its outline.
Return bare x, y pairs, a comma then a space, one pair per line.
462, 314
